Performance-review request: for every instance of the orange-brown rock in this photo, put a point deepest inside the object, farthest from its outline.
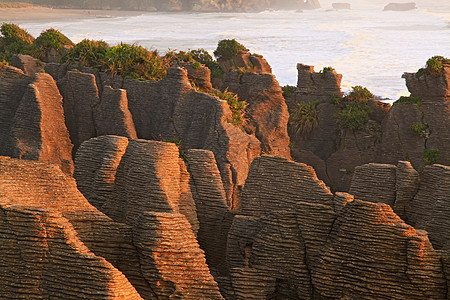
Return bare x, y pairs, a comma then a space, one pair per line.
266, 111
171, 259
212, 210
28, 64
245, 61
124, 178
45, 227
370, 249
38, 131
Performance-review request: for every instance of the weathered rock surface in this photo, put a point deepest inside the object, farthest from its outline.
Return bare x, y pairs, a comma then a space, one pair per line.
28, 64
42, 248
80, 94
111, 115
171, 258
13, 84
212, 210
406, 186
391, 252
430, 208
244, 61
400, 6
341, 5
375, 183
133, 177
38, 131
266, 110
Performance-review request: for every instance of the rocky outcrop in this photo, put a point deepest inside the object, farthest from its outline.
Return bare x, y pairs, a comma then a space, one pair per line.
244, 61
212, 210
38, 131
46, 226
28, 64
391, 252
80, 96
400, 6
125, 178
13, 84
111, 115
170, 257
266, 111
341, 5
430, 209
375, 183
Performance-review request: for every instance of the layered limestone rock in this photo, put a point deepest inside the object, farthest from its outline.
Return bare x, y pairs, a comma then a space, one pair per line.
244, 61
38, 131
275, 243
28, 64
80, 96
430, 208
13, 84
124, 178
111, 115
266, 111
391, 252
406, 186
172, 109
375, 183
171, 259
433, 90
212, 210
45, 227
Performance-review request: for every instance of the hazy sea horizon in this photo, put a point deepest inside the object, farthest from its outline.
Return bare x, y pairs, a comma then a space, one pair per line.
370, 47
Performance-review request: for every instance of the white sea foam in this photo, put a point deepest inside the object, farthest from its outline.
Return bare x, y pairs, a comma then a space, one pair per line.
368, 46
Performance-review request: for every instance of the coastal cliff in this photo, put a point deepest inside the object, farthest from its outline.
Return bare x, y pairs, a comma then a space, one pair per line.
193, 184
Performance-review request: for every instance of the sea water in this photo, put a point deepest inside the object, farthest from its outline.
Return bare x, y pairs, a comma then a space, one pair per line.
370, 47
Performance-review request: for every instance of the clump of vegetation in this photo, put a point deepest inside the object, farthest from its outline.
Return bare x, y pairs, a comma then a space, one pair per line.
430, 156
420, 129
89, 53
354, 110
237, 107
136, 62
288, 90
408, 100
202, 56
226, 49
14, 40
305, 117
179, 144
434, 66
47, 40
327, 70
354, 115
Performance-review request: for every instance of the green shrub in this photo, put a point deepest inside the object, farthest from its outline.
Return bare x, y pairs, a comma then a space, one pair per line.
408, 100
335, 99
237, 107
354, 115
226, 49
431, 156
419, 128
89, 53
433, 66
136, 62
49, 39
14, 40
326, 70
305, 117
288, 90
359, 94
